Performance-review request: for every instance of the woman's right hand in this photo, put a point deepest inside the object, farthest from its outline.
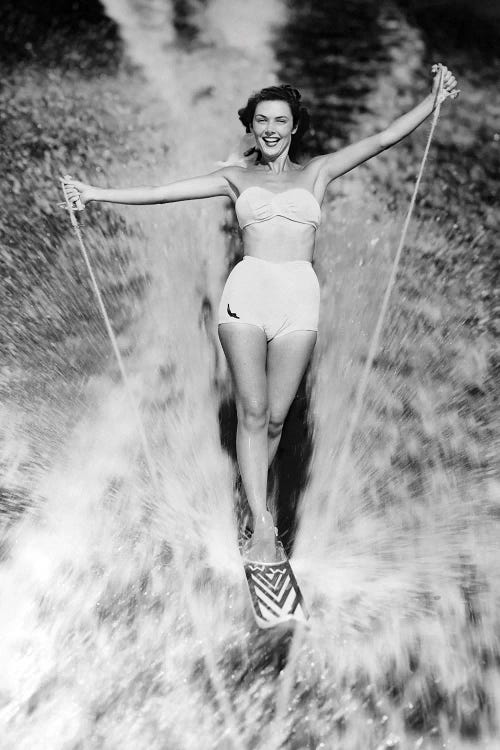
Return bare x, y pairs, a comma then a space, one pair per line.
78, 193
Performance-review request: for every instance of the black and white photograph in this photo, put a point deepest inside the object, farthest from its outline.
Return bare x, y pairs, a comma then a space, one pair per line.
250, 375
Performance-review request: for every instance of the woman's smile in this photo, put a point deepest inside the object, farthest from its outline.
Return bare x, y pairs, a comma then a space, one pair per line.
270, 140
273, 126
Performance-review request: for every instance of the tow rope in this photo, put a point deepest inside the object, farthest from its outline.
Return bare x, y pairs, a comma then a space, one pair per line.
375, 340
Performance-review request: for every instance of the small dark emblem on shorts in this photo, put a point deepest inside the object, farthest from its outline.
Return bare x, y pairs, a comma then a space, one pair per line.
232, 314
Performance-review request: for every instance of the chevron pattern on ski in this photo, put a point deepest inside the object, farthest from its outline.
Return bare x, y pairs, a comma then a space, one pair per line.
274, 593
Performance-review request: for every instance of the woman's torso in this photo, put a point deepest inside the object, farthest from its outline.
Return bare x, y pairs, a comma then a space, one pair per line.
282, 211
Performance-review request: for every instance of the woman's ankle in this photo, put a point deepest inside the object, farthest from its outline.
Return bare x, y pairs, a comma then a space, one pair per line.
263, 522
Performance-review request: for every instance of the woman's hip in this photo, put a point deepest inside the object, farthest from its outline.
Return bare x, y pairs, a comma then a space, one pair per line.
258, 291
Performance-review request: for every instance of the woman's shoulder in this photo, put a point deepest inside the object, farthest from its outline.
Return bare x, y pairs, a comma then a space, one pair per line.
235, 176
233, 169
313, 164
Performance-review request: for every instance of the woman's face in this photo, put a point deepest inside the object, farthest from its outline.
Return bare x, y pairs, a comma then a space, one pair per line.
273, 128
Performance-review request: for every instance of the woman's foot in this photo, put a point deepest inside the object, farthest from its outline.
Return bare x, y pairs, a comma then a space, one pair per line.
262, 545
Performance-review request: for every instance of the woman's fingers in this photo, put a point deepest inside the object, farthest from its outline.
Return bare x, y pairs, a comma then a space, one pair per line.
72, 193
69, 182
444, 82
73, 190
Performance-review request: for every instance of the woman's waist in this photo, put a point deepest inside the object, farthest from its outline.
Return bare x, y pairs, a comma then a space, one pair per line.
273, 263
279, 252
279, 245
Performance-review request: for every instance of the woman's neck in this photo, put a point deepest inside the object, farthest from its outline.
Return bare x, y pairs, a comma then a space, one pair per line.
276, 166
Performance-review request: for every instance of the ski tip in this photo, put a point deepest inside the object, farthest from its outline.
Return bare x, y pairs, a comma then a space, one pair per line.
275, 595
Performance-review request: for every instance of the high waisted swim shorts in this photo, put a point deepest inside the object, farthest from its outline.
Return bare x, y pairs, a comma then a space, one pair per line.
277, 297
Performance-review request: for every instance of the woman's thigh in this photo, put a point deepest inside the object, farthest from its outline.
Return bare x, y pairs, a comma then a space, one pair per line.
287, 359
245, 347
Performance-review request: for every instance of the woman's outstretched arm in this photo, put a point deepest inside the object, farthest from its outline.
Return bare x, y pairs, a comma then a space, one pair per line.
205, 186
333, 165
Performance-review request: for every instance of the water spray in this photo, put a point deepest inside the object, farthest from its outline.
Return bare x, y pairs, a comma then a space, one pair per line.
78, 206
283, 698
211, 662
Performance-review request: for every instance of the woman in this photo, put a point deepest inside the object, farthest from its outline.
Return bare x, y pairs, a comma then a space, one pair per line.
268, 314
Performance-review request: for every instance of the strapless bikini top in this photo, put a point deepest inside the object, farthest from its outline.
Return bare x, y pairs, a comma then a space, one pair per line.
256, 204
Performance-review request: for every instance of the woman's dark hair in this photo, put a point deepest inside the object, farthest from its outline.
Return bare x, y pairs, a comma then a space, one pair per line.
284, 93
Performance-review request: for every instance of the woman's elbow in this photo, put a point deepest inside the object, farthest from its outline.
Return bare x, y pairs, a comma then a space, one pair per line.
388, 138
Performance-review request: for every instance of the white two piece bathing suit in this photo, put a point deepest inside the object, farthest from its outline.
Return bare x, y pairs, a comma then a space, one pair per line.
278, 297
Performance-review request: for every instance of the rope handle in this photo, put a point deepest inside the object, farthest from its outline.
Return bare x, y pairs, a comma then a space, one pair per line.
70, 204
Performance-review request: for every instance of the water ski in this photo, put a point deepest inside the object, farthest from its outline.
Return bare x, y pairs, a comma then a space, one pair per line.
274, 592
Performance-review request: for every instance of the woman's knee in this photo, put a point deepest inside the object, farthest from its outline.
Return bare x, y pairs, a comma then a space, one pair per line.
253, 414
275, 426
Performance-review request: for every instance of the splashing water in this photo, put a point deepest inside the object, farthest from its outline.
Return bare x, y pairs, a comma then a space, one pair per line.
124, 620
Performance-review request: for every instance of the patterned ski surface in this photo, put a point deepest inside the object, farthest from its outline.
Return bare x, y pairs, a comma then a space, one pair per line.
274, 592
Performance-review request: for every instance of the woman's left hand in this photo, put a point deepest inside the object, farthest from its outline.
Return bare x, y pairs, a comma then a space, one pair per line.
449, 83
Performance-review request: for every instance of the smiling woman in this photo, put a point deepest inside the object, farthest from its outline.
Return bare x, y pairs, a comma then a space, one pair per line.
268, 315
